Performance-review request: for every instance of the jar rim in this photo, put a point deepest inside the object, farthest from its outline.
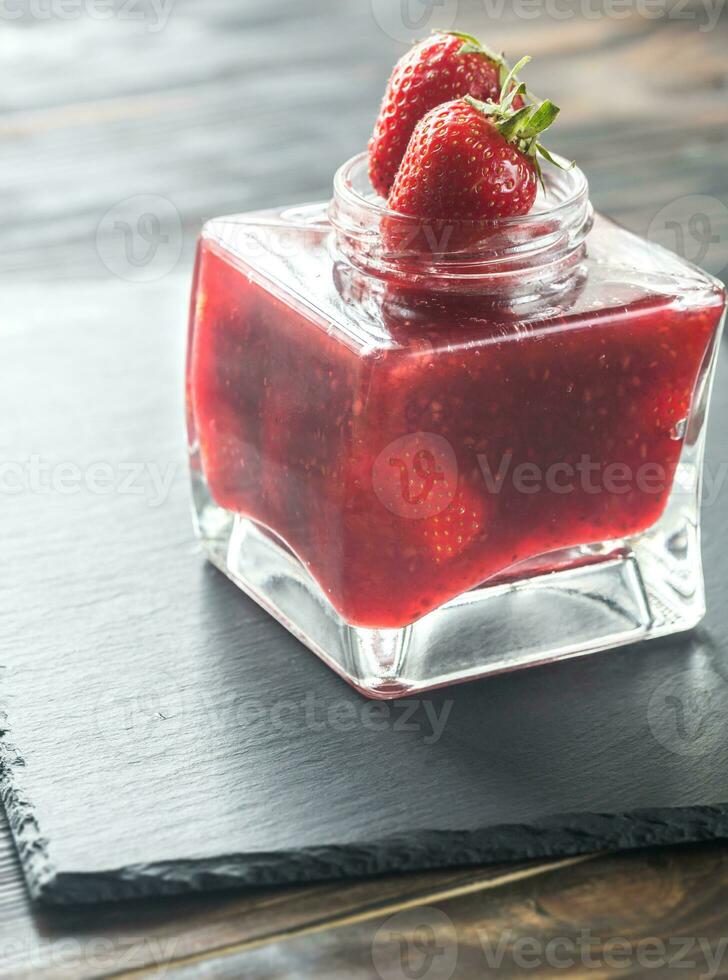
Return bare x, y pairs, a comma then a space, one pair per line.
384, 242
571, 179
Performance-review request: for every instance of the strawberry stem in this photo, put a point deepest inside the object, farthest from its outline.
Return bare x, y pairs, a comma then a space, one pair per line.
511, 76
523, 126
471, 45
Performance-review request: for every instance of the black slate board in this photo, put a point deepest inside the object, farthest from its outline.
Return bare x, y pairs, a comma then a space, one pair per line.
161, 733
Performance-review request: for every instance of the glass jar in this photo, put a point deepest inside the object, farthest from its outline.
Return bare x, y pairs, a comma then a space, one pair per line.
439, 451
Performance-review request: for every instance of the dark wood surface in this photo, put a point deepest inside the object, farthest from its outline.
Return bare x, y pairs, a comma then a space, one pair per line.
226, 108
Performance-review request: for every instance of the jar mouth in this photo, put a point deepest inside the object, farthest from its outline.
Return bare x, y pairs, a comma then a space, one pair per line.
384, 241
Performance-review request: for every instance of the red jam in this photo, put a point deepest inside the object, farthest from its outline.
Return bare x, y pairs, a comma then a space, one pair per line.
405, 473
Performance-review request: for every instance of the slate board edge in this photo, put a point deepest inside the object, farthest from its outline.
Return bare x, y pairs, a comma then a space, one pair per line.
558, 836
31, 845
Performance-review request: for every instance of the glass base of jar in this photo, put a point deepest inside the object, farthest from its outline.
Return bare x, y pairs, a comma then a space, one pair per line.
612, 594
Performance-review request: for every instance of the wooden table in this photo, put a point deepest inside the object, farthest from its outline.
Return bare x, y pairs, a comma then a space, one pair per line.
228, 106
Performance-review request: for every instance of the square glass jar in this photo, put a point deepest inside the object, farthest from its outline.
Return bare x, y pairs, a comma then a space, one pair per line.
435, 452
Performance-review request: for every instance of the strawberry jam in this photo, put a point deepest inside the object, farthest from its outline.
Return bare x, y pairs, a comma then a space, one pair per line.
409, 439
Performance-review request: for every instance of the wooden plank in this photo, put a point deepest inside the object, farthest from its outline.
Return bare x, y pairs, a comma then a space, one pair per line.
180, 133
648, 914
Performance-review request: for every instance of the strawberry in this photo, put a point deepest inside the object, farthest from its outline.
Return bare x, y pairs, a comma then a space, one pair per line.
472, 160
450, 532
439, 69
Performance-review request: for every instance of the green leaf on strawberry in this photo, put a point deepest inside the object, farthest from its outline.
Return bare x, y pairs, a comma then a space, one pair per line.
471, 45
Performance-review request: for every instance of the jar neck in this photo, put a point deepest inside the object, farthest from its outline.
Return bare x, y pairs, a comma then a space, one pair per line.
469, 256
